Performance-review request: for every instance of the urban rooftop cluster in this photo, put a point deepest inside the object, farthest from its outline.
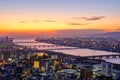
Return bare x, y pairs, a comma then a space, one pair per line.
23, 63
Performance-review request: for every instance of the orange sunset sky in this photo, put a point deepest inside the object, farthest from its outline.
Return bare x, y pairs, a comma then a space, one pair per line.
51, 15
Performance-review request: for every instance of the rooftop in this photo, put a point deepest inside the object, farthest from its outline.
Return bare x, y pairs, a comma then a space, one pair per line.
114, 60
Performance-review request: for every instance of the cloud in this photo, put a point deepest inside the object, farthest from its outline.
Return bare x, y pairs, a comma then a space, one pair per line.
49, 21
23, 22
35, 21
90, 18
118, 29
93, 18
76, 24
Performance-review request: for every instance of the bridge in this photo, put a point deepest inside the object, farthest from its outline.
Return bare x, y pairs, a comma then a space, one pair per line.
103, 56
59, 49
41, 46
50, 47
35, 44
27, 42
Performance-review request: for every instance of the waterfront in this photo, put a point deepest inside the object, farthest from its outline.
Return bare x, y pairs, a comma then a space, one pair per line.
59, 40
29, 61
72, 51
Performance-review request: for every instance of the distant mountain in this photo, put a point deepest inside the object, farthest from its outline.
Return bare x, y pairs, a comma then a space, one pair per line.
64, 33
87, 33
78, 33
108, 34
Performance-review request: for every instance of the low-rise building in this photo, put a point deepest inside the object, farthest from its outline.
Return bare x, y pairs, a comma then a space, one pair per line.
111, 67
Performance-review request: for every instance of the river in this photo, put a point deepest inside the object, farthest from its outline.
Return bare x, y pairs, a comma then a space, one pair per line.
63, 49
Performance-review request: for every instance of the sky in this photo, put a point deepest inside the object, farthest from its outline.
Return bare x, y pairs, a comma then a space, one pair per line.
51, 15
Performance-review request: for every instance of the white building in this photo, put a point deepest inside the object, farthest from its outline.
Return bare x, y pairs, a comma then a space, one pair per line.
111, 67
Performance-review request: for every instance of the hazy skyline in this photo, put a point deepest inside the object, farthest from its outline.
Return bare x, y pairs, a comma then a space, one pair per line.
50, 15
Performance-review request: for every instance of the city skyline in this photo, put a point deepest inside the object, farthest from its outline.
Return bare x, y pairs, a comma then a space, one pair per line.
59, 40
51, 15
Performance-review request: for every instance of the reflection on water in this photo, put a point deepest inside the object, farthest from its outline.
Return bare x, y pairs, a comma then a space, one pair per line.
85, 52
77, 52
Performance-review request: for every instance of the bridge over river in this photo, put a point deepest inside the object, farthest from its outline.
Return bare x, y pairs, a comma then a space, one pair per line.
87, 53
42, 46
